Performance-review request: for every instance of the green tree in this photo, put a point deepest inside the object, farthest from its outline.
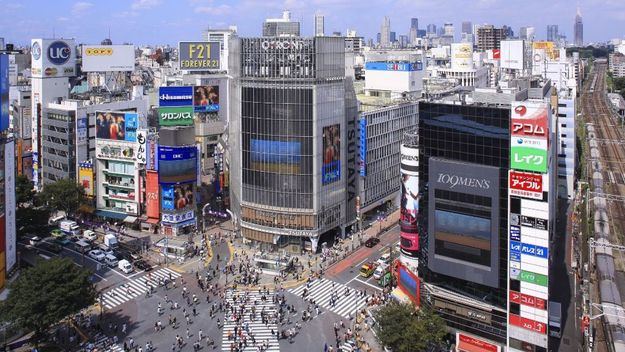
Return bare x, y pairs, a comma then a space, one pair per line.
404, 328
24, 191
46, 294
64, 194
32, 220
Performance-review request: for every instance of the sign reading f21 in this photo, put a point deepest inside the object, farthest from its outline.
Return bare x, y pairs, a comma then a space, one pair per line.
199, 56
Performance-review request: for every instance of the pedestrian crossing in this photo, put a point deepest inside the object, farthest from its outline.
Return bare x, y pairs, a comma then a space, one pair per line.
255, 327
321, 291
135, 287
115, 348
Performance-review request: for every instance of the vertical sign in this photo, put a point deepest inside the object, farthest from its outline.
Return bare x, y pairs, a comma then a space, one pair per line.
141, 146
363, 146
11, 238
4, 92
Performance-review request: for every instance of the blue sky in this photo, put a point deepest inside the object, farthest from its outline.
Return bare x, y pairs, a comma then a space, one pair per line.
169, 21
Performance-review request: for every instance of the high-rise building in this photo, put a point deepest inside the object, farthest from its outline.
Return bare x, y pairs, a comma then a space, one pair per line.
319, 25
289, 196
414, 23
489, 37
467, 27
507, 31
393, 37
578, 29
449, 29
385, 33
527, 33
221, 36
281, 27
414, 30
431, 29
552, 33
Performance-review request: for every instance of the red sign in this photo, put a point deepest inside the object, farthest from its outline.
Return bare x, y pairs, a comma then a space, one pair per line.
151, 195
530, 121
527, 185
496, 54
527, 300
528, 324
472, 344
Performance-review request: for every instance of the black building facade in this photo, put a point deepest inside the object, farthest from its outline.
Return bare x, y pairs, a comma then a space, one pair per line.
463, 170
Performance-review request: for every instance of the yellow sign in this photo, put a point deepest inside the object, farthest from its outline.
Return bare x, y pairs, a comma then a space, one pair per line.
99, 51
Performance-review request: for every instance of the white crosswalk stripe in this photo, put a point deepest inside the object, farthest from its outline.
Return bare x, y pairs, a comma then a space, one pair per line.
321, 290
115, 348
260, 331
137, 286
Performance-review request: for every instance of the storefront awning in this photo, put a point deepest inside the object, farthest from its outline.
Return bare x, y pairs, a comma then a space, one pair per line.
130, 219
110, 214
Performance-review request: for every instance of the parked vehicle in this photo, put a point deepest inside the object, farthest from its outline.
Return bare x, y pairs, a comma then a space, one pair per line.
82, 246
128, 255
50, 247
111, 260
55, 220
124, 266
89, 235
110, 240
555, 319
63, 241
372, 242
380, 271
97, 255
69, 227
56, 233
106, 250
367, 269
33, 241
143, 265
385, 259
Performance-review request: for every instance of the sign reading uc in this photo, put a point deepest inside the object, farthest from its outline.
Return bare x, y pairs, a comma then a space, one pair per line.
59, 52
199, 56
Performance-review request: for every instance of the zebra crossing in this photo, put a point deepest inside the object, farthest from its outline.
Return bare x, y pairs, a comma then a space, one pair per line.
321, 290
255, 327
133, 288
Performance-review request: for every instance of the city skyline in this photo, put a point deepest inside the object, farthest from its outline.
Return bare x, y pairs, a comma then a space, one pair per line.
143, 22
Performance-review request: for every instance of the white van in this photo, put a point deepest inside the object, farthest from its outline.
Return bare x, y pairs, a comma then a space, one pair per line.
380, 271
55, 220
124, 266
111, 260
89, 235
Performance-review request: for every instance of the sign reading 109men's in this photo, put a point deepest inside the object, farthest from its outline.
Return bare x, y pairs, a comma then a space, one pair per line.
199, 56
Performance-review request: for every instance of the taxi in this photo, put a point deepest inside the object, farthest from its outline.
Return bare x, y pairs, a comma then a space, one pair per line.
367, 269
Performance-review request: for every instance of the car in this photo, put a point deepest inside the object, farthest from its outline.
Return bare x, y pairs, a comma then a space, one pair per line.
106, 250
111, 260
89, 235
97, 255
33, 241
372, 242
380, 271
50, 247
142, 265
385, 259
367, 269
63, 241
56, 233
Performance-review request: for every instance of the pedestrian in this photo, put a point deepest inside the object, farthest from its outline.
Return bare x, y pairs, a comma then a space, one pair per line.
188, 334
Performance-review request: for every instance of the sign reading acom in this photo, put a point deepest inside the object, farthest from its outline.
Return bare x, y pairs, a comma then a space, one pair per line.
175, 116
109, 58
199, 56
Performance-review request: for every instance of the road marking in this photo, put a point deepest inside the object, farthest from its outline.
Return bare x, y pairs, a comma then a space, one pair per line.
368, 284
322, 290
134, 288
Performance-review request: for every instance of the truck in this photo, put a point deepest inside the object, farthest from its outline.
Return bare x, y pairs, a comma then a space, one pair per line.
555, 319
69, 227
110, 240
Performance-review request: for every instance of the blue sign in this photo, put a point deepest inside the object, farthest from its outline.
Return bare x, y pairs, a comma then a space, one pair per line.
394, 66
59, 52
132, 123
536, 251
363, 147
168, 197
275, 152
515, 246
177, 153
175, 96
4, 92
515, 257
515, 233
206, 108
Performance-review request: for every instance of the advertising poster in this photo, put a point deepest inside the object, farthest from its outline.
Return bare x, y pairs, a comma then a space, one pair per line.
151, 194
4, 92
409, 203
120, 126
11, 237
199, 56
175, 96
530, 120
53, 58
275, 156
167, 197
109, 58
331, 168
175, 116
528, 154
526, 185
206, 98
141, 146
85, 178
363, 146
176, 197
177, 164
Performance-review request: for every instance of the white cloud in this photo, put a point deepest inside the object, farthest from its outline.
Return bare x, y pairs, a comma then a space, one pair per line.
214, 10
81, 7
145, 4
62, 19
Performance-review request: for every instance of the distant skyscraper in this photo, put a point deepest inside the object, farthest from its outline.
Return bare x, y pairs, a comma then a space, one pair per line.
378, 38
393, 37
431, 29
578, 29
319, 25
449, 29
467, 27
489, 37
414, 23
527, 33
414, 30
508, 32
385, 33
552, 33
281, 27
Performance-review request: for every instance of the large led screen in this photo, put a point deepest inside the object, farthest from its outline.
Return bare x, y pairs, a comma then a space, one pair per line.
463, 237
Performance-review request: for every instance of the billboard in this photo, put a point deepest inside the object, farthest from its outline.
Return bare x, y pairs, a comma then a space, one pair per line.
530, 120
528, 154
525, 184
461, 56
512, 54
53, 58
409, 203
120, 150
141, 146
9, 184
108, 58
206, 98
199, 56
175, 96
178, 217
151, 194
176, 197
363, 146
86, 179
4, 92
331, 167
466, 342
175, 116
120, 126
177, 164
